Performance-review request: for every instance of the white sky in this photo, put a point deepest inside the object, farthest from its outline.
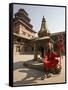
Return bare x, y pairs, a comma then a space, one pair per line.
55, 16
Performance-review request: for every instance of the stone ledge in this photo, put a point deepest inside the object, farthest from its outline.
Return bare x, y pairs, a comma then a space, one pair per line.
37, 65
34, 65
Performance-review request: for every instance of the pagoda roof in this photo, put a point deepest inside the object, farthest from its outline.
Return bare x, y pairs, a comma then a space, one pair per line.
22, 22
23, 11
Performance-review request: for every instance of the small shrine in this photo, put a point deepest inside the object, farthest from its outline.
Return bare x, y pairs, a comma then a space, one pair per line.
41, 42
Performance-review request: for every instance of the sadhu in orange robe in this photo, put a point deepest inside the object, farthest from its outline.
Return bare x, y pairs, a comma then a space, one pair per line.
50, 60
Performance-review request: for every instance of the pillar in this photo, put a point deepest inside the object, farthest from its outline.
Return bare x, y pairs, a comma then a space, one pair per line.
35, 51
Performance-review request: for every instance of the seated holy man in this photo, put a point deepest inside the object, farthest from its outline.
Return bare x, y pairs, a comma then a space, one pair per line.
50, 60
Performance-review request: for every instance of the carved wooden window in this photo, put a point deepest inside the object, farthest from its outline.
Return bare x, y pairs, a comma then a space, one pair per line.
17, 48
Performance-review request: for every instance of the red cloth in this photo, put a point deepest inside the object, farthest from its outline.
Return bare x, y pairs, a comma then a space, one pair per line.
50, 60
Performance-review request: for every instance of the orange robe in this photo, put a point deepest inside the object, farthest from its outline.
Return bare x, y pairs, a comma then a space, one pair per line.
50, 60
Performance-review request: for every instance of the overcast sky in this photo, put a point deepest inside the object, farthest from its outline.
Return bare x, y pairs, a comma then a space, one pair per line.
55, 16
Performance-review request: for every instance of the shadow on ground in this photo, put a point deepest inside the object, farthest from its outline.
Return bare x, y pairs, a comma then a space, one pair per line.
31, 75
30, 78
18, 65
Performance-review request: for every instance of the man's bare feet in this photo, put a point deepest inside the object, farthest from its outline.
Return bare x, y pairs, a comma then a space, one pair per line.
48, 75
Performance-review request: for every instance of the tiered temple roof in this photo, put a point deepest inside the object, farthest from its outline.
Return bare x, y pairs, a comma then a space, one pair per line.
22, 17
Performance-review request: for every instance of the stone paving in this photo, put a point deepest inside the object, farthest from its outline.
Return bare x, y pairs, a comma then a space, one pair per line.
26, 76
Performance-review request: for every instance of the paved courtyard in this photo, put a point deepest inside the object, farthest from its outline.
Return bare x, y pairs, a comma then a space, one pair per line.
26, 76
